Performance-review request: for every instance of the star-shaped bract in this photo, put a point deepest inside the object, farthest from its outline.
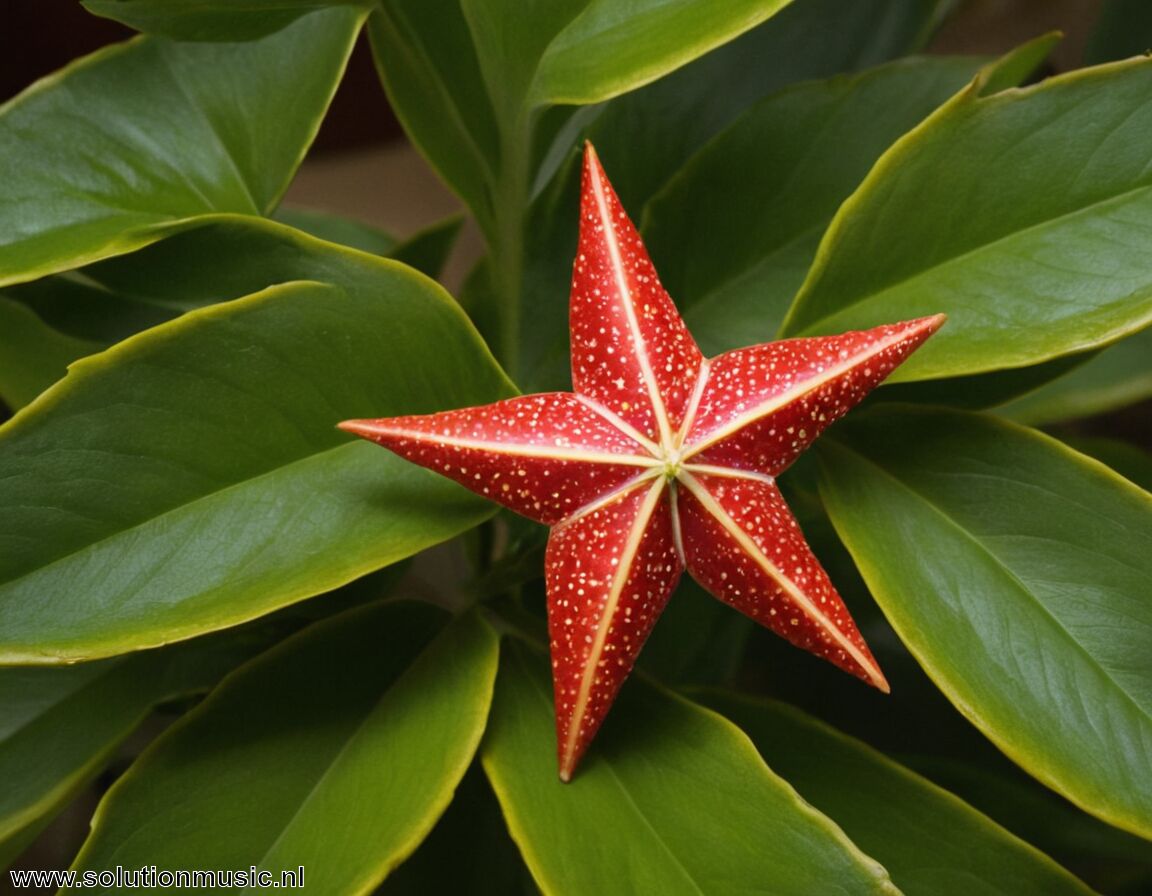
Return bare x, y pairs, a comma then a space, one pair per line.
660, 460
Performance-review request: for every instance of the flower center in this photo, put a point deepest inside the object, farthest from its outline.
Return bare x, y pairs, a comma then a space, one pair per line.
671, 463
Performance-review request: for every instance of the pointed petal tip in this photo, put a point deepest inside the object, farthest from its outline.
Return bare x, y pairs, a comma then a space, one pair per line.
934, 322
356, 427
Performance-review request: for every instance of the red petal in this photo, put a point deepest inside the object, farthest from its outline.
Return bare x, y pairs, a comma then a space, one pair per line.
742, 543
544, 456
762, 406
609, 575
630, 350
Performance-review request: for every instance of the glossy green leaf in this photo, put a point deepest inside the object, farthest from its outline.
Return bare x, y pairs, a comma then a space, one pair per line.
1130, 461
427, 63
159, 135
32, 354
61, 724
1039, 817
755, 201
79, 307
192, 477
1030, 243
671, 798
337, 750
337, 229
925, 836
1016, 571
608, 49
1118, 376
647, 134
219, 20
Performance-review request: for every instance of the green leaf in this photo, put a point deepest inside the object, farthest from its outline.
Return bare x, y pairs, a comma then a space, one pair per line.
427, 63
160, 136
671, 798
754, 202
1130, 461
925, 836
1041, 818
337, 229
1029, 242
1016, 571
219, 20
79, 307
97, 705
608, 49
32, 354
647, 134
337, 750
1117, 377
192, 476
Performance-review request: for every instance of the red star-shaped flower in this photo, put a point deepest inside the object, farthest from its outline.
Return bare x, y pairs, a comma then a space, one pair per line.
660, 460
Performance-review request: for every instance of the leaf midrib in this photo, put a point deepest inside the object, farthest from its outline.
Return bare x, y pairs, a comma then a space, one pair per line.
171, 511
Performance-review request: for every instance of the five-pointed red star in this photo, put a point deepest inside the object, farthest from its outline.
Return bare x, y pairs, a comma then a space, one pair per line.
660, 460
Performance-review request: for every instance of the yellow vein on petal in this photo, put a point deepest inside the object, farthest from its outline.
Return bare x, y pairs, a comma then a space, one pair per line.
612, 495
619, 275
677, 536
790, 395
548, 452
693, 404
592, 663
620, 423
728, 472
802, 601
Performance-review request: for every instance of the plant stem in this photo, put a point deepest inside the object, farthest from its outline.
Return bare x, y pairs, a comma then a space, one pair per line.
507, 250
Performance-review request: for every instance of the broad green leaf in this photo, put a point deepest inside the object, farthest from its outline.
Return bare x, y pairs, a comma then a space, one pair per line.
219, 20
192, 477
79, 307
337, 750
143, 138
735, 231
671, 798
925, 836
647, 134
1029, 244
1118, 376
1017, 572
609, 49
427, 63
1041, 818
1130, 461
32, 354
337, 229
61, 724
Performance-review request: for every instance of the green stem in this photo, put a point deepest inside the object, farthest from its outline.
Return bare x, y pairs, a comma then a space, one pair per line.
507, 249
